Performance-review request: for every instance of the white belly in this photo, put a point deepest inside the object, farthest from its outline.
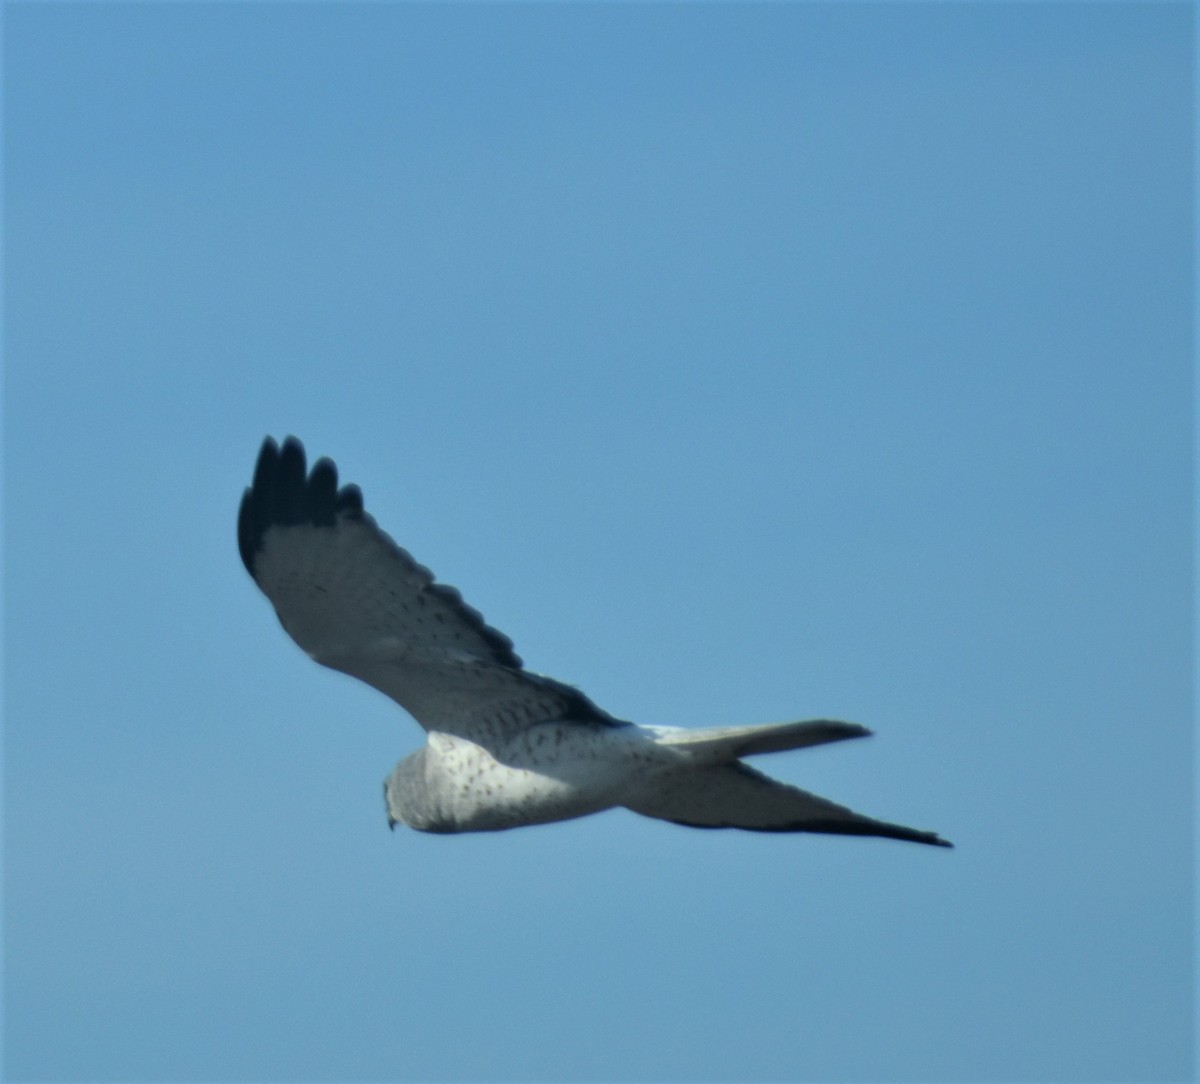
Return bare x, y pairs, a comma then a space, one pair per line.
551, 772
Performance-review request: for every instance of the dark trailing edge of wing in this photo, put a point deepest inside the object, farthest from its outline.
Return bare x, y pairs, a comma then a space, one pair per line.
838, 828
284, 494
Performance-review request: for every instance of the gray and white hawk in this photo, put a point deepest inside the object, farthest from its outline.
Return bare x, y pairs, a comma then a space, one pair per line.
505, 747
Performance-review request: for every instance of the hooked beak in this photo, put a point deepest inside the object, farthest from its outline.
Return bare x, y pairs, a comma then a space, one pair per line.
392, 822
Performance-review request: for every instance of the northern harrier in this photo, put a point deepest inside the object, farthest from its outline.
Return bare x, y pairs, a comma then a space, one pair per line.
506, 747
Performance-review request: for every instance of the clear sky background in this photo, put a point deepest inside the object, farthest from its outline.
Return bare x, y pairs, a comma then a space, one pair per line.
743, 363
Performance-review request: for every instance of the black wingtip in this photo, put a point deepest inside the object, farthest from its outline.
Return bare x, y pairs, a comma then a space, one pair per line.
838, 827
284, 493
909, 835
882, 829
322, 493
350, 502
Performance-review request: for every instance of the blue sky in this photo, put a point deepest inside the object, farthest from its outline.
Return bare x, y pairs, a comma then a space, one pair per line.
741, 362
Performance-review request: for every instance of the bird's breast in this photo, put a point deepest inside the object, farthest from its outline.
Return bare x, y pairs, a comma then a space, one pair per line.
550, 772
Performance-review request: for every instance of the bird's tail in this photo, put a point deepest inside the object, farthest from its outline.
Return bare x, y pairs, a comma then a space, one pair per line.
723, 744
734, 795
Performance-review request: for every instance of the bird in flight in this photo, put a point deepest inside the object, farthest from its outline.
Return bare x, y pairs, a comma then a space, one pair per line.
505, 747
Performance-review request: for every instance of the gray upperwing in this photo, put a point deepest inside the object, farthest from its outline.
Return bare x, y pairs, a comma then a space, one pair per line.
357, 602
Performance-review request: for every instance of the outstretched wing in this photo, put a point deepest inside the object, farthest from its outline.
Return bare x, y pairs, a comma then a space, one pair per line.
357, 602
736, 796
